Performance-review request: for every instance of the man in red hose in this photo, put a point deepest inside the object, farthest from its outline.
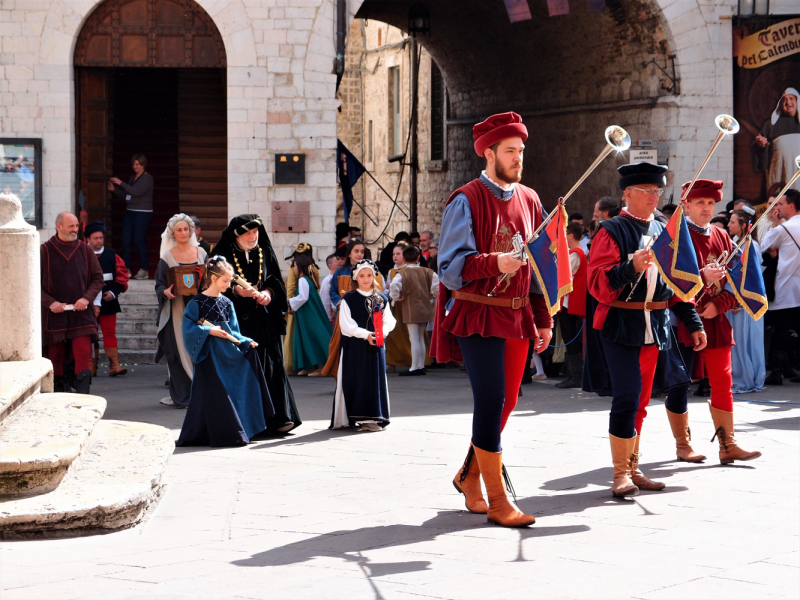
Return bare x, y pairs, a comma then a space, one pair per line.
710, 244
71, 280
481, 315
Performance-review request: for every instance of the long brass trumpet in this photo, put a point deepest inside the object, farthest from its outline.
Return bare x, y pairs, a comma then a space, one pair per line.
727, 125
740, 244
616, 139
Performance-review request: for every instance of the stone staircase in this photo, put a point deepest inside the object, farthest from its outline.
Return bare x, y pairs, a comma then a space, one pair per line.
64, 470
137, 324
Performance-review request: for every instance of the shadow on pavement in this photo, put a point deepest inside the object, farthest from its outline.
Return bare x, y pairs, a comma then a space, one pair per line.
349, 544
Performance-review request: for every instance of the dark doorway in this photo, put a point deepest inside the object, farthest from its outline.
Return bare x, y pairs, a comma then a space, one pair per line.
177, 118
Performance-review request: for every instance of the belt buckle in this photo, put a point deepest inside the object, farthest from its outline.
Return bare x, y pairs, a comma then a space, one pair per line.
514, 303
648, 302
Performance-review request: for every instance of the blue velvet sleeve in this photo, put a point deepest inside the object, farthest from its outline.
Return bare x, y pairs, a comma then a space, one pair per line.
194, 335
456, 242
620, 276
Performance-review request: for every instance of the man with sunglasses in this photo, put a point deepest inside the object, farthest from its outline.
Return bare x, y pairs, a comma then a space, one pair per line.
631, 318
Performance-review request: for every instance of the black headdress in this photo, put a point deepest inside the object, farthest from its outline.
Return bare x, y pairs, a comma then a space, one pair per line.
270, 275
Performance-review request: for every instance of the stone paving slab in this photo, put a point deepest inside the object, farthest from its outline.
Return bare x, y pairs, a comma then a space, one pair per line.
42, 439
323, 514
118, 478
19, 380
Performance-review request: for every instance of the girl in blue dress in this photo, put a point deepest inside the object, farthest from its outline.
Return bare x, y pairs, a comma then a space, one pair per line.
229, 401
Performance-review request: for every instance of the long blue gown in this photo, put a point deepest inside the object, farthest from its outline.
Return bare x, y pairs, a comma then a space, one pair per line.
229, 402
748, 363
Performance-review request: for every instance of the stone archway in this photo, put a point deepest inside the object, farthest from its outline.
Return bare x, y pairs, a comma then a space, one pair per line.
569, 77
151, 78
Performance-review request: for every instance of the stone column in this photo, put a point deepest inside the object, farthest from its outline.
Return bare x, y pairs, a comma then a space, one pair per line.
20, 293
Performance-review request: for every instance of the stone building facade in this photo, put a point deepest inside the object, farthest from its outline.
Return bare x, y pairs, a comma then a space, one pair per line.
568, 76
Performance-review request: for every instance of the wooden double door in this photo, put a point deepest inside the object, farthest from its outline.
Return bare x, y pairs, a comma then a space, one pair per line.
177, 118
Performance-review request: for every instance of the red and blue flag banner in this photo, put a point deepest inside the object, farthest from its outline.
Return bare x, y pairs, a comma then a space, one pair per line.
674, 254
747, 282
518, 10
549, 256
556, 8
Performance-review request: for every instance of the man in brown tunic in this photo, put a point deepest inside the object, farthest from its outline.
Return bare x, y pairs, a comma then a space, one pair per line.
71, 280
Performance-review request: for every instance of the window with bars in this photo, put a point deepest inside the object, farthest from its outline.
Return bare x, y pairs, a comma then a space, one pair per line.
437, 113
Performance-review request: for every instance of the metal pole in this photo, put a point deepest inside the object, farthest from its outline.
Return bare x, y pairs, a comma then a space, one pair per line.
412, 182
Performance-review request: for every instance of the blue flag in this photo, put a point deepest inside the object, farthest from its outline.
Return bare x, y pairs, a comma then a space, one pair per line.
747, 282
549, 256
674, 254
350, 169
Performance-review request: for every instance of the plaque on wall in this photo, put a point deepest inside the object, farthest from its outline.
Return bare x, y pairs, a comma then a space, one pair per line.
290, 168
291, 217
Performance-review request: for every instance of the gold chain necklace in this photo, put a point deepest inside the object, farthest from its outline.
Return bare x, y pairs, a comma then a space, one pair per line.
260, 267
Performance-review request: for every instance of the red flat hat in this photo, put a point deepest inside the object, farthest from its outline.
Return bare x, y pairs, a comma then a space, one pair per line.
497, 128
704, 188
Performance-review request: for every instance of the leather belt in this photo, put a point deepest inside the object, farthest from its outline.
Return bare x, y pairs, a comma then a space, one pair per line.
640, 305
513, 303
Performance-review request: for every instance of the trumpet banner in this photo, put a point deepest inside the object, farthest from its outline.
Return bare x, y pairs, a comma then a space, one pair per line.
675, 257
549, 256
747, 281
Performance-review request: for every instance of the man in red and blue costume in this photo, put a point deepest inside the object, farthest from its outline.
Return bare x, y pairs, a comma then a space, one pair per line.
484, 314
710, 245
633, 327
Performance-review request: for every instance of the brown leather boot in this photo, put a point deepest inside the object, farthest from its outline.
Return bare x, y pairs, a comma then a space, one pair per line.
683, 435
729, 450
639, 479
621, 454
93, 366
113, 358
468, 482
501, 510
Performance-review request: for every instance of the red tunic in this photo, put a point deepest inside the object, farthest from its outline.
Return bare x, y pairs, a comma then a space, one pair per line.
718, 330
577, 297
70, 271
494, 223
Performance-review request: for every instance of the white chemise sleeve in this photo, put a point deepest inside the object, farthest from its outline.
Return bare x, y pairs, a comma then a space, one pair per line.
348, 325
302, 295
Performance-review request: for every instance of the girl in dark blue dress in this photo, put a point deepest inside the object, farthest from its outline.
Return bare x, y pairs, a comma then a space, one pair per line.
229, 401
362, 396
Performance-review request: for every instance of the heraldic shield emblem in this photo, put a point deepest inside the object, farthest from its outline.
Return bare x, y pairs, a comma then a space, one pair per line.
188, 280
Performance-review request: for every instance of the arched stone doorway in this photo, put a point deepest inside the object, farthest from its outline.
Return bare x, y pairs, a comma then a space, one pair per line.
150, 78
570, 77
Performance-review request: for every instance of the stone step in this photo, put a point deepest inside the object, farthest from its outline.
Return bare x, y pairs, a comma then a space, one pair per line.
137, 342
142, 286
40, 441
20, 380
117, 479
126, 327
138, 298
137, 312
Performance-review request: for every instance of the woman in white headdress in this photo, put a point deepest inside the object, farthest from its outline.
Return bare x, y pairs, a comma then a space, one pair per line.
179, 247
775, 149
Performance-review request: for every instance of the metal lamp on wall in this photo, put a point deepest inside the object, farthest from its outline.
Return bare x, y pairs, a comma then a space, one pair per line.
419, 20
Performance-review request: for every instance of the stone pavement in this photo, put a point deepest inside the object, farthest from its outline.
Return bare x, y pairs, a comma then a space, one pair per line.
323, 514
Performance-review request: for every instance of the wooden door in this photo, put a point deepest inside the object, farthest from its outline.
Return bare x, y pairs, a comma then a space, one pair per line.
94, 150
203, 148
149, 33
